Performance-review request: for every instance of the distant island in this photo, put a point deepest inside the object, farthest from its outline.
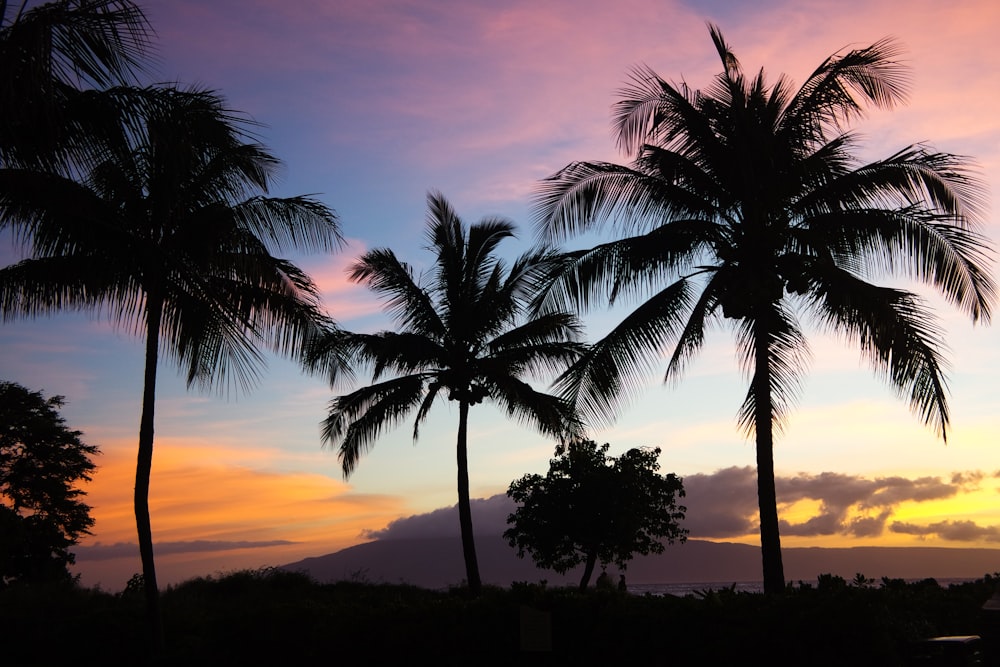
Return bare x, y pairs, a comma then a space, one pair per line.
436, 562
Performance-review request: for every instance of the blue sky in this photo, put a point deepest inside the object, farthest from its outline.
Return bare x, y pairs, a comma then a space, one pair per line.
372, 104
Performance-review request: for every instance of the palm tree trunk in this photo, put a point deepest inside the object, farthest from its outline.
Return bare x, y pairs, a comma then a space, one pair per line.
143, 468
588, 570
767, 498
464, 503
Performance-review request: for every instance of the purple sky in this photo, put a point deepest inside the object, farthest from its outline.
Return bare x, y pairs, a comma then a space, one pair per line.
372, 104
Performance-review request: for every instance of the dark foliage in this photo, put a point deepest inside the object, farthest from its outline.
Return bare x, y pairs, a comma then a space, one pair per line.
271, 617
41, 511
54, 55
593, 507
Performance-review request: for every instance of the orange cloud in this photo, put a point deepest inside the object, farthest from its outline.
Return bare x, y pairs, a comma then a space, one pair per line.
245, 515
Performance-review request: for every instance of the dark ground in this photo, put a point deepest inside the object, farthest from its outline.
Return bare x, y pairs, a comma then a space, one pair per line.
273, 617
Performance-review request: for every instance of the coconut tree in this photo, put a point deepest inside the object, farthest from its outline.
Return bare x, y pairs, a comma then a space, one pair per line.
171, 235
745, 204
462, 334
51, 53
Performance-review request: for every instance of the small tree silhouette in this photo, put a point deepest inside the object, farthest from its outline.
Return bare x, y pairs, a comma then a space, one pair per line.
591, 507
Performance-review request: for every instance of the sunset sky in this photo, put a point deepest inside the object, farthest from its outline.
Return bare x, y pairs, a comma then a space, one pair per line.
372, 104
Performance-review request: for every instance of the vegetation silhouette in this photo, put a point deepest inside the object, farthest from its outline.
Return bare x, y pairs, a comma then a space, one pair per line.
590, 507
55, 57
171, 235
745, 203
462, 333
273, 617
42, 513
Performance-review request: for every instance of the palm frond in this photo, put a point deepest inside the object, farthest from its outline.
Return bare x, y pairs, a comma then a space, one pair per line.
35, 287
898, 335
292, 222
611, 371
551, 415
913, 241
398, 352
692, 336
356, 420
913, 175
50, 214
53, 55
830, 95
629, 267
433, 389
530, 359
780, 366
100, 41
404, 300
554, 327
331, 352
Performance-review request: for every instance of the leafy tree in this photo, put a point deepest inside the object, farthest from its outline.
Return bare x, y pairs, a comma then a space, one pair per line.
171, 236
462, 334
41, 511
591, 507
52, 53
745, 204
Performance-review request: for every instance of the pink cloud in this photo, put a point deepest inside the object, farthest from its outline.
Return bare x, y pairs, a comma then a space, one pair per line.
484, 100
344, 300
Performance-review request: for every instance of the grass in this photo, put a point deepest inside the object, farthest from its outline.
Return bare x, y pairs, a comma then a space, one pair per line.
272, 617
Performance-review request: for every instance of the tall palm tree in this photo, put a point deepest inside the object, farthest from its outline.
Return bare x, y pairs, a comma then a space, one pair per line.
172, 236
745, 203
51, 54
462, 334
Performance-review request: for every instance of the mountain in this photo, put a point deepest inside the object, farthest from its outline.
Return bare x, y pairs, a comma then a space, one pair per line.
436, 562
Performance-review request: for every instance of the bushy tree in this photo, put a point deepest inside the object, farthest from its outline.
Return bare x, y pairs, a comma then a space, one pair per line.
591, 507
41, 511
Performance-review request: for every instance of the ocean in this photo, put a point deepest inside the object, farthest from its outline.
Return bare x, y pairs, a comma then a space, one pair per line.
694, 588
680, 590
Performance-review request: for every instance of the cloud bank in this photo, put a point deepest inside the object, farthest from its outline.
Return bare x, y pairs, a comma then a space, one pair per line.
723, 505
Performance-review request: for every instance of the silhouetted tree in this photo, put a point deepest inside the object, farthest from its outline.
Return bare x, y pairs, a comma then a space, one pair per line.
745, 203
41, 511
54, 55
462, 334
592, 508
171, 235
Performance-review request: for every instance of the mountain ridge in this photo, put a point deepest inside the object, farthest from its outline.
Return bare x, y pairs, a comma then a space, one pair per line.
436, 562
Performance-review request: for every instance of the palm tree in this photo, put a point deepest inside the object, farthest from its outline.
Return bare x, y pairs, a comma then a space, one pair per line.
745, 203
51, 53
463, 334
171, 235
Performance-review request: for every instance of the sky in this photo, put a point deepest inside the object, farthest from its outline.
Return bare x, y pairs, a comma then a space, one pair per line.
371, 105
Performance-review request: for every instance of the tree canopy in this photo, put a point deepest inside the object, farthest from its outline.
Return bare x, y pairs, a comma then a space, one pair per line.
593, 507
42, 513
